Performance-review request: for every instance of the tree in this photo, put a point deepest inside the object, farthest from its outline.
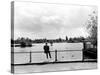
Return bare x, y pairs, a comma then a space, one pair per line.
92, 28
66, 38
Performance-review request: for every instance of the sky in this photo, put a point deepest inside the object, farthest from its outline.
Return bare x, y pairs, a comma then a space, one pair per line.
51, 21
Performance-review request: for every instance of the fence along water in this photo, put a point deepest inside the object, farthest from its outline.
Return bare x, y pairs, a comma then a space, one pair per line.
40, 57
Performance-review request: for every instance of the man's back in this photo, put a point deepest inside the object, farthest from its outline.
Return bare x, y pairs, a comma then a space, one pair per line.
46, 48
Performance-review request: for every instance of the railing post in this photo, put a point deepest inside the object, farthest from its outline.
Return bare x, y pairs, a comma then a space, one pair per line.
30, 58
84, 48
55, 55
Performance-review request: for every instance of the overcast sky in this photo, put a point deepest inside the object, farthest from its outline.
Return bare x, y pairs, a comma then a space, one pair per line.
40, 20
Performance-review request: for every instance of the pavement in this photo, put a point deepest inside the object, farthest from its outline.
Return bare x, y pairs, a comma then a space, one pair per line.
54, 67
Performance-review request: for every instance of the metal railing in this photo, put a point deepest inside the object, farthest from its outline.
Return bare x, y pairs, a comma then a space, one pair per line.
55, 56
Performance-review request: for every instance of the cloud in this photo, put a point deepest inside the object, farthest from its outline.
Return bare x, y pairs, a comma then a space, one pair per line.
48, 20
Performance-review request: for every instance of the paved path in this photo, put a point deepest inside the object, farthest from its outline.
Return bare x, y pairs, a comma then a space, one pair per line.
55, 67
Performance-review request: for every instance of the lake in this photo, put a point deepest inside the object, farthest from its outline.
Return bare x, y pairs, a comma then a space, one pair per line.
72, 52
56, 46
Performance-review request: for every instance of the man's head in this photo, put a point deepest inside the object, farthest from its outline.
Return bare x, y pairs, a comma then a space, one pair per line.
46, 43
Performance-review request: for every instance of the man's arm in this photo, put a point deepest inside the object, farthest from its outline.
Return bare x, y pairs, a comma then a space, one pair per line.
44, 47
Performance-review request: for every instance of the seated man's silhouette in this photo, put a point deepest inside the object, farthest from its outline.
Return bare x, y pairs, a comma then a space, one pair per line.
46, 50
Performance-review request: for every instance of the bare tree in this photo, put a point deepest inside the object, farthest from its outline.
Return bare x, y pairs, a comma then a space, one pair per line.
92, 28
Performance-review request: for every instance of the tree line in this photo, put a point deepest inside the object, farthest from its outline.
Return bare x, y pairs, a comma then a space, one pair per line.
28, 40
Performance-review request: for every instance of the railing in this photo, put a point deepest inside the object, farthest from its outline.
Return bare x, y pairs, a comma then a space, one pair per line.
57, 55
